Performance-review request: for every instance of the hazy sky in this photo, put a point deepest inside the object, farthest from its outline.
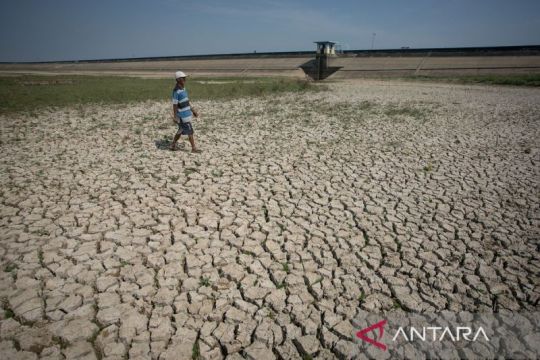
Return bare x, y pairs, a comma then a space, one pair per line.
47, 30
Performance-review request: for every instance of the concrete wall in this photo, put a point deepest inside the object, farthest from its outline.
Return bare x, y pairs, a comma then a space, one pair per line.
236, 66
464, 65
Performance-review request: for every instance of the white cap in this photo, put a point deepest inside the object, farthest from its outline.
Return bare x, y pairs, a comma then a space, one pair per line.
179, 74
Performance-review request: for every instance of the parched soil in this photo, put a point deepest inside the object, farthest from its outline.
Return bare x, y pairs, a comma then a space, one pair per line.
301, 210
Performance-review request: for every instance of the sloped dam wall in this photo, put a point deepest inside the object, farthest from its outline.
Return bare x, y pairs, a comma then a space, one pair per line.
351, 64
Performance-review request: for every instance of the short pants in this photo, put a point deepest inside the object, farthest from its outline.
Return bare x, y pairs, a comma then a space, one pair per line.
184, 128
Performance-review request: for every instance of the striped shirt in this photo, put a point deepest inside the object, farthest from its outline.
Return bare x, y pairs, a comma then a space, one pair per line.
180, 98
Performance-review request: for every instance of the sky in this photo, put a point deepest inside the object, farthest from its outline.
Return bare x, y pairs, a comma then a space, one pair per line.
54, 30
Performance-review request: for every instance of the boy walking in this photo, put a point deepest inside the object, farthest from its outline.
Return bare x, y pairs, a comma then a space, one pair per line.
182, 112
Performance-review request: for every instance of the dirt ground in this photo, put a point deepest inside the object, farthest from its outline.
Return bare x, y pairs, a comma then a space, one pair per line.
302, 209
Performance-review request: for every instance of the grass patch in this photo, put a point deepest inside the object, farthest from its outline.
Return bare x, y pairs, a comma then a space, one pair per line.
204, 281
190, 170
415, 113
196, 351
249, 253
11, 267
345, 112
61, 342
428, 167
217, 173
361, 297
8, 314
123, 263
286, 267
71, 90
94, 336
397, 305
515, 80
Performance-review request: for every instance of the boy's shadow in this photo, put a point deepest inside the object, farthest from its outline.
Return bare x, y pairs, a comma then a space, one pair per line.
163, 144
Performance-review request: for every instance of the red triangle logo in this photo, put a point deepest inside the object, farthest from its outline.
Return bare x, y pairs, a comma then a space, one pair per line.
362, 334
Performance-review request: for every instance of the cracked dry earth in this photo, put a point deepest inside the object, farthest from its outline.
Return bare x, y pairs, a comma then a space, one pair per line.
301, 211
